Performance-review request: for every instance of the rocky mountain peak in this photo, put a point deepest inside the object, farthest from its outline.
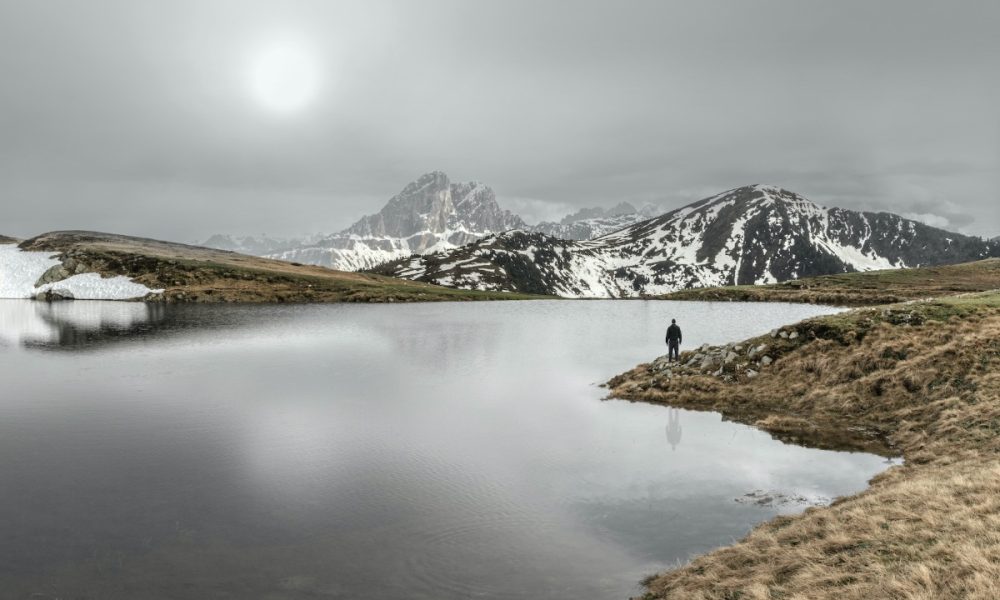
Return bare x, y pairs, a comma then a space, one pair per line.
432, 204
427, 184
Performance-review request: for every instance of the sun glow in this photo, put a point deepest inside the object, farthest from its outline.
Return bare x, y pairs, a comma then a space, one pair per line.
285, 77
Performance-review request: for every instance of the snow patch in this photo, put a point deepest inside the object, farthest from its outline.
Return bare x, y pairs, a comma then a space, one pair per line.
19, 270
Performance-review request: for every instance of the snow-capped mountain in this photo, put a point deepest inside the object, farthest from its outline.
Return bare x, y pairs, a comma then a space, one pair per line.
589, 223
748, 235
431, 214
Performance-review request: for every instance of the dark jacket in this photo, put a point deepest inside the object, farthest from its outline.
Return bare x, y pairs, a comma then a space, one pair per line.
673, 333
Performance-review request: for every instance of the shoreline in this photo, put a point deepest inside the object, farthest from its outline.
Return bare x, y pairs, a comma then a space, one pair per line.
860, 380
181, 274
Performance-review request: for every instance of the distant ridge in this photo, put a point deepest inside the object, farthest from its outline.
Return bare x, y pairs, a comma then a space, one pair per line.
590, 223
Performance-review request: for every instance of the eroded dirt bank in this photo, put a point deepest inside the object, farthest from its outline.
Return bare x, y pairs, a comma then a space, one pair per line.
921, 380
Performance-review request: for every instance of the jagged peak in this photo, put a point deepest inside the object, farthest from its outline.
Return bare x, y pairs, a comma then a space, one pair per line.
436, 174
437, 179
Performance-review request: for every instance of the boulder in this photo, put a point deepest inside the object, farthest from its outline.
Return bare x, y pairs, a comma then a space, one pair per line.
53, 274
793, 335
54, 295
766, 360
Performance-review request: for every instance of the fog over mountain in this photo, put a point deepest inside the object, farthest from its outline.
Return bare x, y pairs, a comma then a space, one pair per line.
152, 118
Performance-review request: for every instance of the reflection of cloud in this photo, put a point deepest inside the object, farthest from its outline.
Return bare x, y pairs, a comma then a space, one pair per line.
293, 446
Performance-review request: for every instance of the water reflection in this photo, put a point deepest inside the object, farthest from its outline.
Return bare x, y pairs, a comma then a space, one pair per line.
432, 452
90, 325
55, 324
674, 427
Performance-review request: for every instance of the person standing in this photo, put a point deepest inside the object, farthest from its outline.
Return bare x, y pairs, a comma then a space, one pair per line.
673, 341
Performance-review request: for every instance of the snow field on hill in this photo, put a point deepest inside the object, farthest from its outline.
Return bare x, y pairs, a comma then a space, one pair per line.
19, 270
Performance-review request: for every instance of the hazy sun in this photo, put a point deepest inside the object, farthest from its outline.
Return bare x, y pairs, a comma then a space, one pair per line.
284, 77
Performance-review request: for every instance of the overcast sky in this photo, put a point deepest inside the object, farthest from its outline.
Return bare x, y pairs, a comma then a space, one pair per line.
165, 119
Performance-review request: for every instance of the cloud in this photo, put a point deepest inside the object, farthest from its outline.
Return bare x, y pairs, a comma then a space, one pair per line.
929, 219
138, 117
534, 211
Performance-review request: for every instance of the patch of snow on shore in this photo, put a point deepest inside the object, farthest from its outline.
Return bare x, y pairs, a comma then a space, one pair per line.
19, 270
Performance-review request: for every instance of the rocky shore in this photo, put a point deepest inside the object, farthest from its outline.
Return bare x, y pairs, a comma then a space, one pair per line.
920, 380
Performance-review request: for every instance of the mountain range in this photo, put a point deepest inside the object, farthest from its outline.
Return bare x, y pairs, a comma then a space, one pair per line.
429, 215
457, 235
748, 235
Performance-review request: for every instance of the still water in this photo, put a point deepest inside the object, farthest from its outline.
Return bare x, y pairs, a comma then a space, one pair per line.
434, 451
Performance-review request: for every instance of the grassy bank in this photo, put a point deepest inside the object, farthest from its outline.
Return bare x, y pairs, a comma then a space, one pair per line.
919, 379
195, 274
868, 288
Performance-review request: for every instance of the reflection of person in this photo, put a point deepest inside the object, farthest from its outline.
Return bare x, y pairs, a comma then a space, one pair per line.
674, 428
673, 340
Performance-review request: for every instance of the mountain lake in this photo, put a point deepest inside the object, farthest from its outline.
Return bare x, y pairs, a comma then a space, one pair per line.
426, 451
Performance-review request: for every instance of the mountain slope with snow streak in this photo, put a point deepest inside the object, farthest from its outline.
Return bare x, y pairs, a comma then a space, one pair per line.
749, 235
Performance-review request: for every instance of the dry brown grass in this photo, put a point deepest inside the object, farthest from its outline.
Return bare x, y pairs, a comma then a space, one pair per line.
928, 387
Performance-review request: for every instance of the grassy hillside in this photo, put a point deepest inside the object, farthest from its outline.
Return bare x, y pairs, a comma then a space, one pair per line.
4, 239
919, 379
195, 274
870, 287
